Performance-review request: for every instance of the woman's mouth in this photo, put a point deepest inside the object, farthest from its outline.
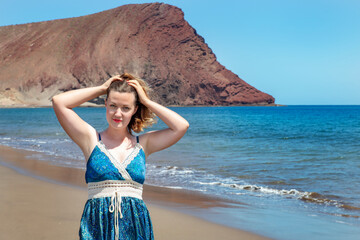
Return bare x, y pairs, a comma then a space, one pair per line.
117, 120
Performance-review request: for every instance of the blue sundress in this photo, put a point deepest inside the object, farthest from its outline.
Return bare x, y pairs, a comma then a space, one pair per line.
115, 209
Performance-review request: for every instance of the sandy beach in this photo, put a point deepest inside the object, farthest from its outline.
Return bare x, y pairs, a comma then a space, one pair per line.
43, 201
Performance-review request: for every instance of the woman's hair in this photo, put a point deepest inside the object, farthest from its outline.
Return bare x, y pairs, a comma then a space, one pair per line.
143, 117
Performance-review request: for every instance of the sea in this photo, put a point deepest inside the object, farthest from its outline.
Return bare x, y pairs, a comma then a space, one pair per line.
289, 172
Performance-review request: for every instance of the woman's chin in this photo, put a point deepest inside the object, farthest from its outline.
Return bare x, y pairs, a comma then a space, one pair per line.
117, 125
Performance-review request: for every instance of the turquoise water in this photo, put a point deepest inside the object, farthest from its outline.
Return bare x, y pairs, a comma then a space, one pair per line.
294, 171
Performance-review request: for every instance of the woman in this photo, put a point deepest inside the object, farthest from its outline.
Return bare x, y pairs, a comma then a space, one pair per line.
115, 169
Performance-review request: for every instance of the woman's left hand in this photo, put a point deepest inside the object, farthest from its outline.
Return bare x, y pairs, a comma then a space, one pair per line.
154, 141
143, 98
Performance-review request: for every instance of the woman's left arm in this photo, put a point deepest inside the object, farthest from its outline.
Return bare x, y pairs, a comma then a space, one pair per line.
157, 140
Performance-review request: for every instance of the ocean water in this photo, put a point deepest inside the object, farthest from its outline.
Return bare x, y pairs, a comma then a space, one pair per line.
291, 172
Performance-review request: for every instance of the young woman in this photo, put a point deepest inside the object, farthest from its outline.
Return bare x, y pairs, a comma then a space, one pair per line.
115, 168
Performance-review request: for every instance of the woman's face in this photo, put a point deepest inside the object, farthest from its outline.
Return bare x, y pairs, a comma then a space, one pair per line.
120, 107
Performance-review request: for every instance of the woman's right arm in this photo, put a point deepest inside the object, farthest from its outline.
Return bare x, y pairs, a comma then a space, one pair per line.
78, 130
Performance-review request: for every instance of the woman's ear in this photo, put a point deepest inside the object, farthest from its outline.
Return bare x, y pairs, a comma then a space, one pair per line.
136, 108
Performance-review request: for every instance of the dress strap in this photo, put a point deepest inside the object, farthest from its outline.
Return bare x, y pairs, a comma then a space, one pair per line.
137, 139
99, 136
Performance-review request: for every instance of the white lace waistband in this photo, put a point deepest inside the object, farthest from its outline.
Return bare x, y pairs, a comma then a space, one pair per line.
116, 189
109, 188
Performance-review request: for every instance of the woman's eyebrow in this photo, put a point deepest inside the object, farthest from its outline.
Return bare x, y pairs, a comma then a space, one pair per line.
121, 104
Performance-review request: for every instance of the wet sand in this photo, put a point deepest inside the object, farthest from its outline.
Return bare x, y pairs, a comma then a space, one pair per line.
42, 201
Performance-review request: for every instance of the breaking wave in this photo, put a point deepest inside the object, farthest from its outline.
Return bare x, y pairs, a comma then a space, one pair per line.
310, 197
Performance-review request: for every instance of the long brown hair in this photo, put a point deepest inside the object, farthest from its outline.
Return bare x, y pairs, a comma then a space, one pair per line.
143, 117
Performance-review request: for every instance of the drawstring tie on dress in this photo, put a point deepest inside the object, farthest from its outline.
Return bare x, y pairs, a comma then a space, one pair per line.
115, 207
115, 189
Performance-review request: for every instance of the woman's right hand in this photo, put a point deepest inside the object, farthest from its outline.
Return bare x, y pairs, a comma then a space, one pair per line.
106, 84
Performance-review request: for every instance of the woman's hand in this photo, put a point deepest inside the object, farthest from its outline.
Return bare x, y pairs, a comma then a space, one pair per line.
155, 141
143, 98
106, 84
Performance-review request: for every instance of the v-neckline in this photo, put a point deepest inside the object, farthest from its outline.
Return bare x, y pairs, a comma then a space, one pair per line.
126, 159
120, 166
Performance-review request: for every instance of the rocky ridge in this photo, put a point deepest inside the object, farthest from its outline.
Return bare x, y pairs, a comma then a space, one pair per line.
153, 41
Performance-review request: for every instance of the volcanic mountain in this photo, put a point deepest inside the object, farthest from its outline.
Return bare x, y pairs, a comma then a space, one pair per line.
152, 41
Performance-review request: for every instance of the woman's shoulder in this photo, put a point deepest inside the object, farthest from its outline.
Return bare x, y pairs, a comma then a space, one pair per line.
142, 138
141, 142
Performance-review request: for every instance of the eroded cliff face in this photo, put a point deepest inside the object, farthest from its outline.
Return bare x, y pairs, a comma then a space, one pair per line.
153, 41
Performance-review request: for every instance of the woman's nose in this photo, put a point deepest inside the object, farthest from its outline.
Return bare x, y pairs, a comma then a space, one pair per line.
118, 112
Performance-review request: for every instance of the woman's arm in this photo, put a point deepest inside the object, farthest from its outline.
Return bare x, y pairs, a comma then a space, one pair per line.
78, 130
157, 140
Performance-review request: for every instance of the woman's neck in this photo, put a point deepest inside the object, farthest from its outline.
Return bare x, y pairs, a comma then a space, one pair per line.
117, 135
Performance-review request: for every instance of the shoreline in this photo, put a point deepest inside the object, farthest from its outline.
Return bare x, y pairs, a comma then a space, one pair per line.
165, 204
93, 105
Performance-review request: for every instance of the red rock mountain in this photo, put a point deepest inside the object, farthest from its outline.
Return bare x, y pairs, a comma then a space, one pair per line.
153, 41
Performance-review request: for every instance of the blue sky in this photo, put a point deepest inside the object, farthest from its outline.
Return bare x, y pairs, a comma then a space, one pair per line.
299, 51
